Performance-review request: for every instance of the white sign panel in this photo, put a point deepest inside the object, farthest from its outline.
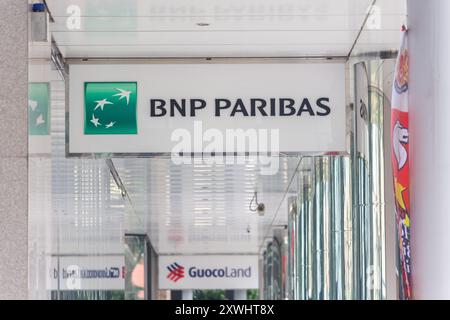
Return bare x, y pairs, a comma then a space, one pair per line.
205, 107
44, 82
87, 273
208, 272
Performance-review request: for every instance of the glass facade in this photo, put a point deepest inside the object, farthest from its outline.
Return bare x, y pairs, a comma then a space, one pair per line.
273, 271
332, 242
335, 242
336, 222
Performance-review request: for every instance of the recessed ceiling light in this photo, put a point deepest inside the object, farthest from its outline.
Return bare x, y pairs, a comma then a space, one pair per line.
203, 24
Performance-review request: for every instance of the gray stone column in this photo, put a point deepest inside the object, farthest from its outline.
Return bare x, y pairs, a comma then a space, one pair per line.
13, 150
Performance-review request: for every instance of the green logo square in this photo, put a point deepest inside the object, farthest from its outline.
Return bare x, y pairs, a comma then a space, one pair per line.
110, 107
38, 109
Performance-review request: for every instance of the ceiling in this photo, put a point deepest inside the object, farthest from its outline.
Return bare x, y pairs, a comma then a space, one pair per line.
221, 28
200, 207
203, 208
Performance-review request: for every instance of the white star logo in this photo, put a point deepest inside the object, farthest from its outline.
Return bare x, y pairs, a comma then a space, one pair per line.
40, 120
33, 104
101, 104
123, 94
111, 124
95, 121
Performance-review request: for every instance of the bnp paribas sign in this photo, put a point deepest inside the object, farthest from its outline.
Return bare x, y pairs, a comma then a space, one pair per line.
231, 107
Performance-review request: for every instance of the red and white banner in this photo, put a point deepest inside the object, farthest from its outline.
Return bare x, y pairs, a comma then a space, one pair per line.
400, 162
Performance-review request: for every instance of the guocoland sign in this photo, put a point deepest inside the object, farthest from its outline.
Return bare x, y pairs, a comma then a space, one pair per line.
225, 272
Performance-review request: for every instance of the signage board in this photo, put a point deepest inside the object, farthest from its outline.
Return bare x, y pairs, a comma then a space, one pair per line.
162, 108
44, 88
38, 109
208, 272
86, 273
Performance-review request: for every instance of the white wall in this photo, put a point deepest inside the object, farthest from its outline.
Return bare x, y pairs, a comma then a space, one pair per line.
429, 23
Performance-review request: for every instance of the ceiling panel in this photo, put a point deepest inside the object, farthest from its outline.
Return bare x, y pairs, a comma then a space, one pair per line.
204, 208
199, 28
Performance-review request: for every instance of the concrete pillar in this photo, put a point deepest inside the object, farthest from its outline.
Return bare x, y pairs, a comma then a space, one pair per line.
429, 44
240, 294
187, 294
13, 150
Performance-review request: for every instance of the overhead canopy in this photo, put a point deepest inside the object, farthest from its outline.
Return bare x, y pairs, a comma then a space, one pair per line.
223, 28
